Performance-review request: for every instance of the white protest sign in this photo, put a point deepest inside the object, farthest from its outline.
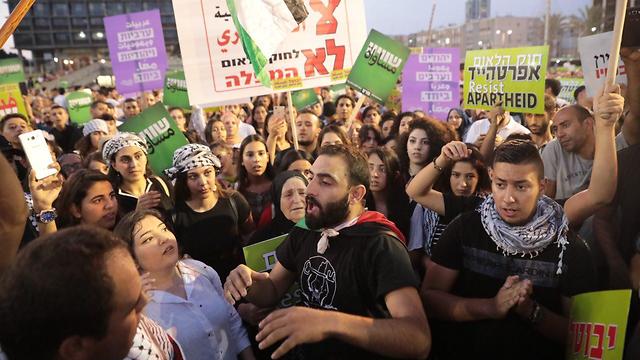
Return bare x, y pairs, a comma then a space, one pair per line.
594, 55
320, 52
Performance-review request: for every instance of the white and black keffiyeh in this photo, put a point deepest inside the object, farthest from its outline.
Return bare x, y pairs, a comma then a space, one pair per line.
120, 141
95, 125
192, 156
548, 225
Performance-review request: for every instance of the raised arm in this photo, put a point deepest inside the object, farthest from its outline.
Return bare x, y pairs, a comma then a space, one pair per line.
420, 188
497, 119
13, 210
602, 188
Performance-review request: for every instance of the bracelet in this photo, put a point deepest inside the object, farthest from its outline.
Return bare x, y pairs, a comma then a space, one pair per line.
436, 165
536, 314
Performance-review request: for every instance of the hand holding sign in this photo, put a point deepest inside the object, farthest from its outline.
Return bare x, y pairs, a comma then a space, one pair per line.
608, 106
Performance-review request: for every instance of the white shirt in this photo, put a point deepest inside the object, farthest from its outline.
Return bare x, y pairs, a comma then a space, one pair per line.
482, 127
60, 100
205, 324
245, 130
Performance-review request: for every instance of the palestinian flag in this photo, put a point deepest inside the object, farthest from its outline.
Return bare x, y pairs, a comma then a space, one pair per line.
262, 26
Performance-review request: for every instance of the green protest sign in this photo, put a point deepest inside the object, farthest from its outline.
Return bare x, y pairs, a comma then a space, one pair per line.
64, 84
598, 325
175, 90
569, 85
79, 107
262, 257
304, 98
514, 77
163, 137
11, 71
11, 100
378, 66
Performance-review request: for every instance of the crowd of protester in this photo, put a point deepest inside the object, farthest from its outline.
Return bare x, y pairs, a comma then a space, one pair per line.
485, 223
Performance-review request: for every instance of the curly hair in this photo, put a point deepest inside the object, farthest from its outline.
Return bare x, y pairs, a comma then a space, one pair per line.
437, 134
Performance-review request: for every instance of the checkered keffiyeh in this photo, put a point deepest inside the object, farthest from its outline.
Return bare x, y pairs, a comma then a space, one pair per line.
95, 125
122, 140
191, 156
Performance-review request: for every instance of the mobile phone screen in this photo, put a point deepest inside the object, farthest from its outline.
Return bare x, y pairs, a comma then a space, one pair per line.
631, 31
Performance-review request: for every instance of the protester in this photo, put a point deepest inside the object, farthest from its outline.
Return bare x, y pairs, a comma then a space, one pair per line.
181, 120
136, 187
386, 124
227, 176
92, 132
371, 116
501, 313
209, 221
387, 194
276, 132
258, 118
348, 273
369, 138
186, 296
13, 212
255, 174
94, 161
540, 124
401, 125
289, 192
333, 135
459, 120
295, 160
65, 132
215, 131
344, 107
419, 145
308, 126
506, 127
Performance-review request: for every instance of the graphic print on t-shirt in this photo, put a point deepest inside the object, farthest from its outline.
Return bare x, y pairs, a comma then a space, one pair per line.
318, 283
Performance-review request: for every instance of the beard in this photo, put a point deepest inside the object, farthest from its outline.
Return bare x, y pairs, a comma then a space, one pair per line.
305, 142
542, 129
331, 214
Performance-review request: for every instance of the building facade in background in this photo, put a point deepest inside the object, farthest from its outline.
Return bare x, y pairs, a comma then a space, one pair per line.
477, 9
58, 30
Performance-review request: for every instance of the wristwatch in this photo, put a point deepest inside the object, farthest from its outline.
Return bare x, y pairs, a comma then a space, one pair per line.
46, 216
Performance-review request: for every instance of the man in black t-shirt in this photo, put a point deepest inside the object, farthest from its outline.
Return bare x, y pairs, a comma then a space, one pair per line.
358, 288
501, 276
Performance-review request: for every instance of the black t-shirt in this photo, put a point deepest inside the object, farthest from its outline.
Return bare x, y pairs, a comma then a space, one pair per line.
68, 137
466, 247
362, 264
127, 203
213, 236
453, 206
628, 200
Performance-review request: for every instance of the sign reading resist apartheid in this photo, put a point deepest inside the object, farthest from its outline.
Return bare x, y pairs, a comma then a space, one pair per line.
514, 77
163, 137
318, 53
378, 66
136, 48
431, 81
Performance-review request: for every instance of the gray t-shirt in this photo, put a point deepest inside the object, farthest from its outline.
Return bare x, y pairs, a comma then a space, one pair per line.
570, 172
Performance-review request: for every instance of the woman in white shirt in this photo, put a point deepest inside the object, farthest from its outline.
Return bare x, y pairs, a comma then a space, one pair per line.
186, 296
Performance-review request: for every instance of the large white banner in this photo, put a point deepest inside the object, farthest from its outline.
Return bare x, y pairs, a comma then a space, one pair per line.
319, 52
594, 56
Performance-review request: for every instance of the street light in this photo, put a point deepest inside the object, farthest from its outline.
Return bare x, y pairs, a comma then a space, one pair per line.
82, 35
593, 29
447, 41
99, 35
504, 35
102, 61
65, 61
55, 59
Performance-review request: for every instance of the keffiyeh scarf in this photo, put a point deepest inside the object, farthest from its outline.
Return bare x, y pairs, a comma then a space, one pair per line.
548, 225
120, 141
192, 156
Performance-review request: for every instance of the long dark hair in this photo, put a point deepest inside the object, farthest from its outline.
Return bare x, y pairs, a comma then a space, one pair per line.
477, 161
243, 176
436, 133
182, 193
207, 130
73, 192
290, 156
333, 128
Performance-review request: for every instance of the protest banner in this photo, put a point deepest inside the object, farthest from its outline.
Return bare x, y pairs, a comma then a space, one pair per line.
598, 325
431, 81
513, 76
79, 107
569, 86
594, 55
11, 71
175, 90
378, 66
136, 48
304, 98
262, 257
318, 53
163, 137
11, 100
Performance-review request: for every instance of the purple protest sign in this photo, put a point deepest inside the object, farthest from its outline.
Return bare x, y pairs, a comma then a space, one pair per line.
431, 82
136, 47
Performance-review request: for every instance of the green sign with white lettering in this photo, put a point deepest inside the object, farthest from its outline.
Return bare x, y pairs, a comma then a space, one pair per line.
79, 107
163, 137
175, 90
11, 71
